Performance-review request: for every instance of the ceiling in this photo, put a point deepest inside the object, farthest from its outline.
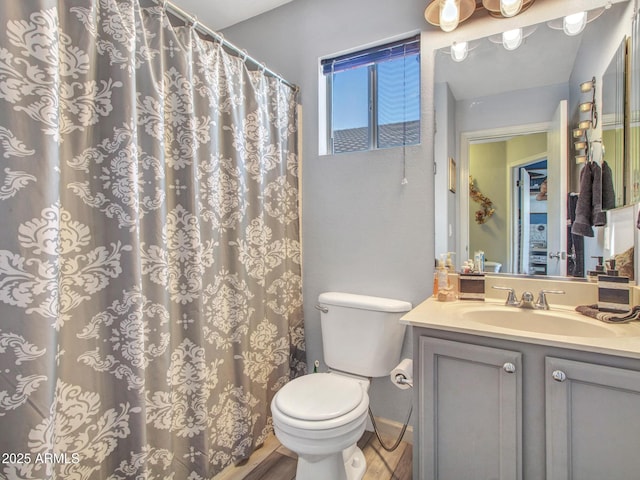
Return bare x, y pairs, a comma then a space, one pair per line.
220, 14
546, 57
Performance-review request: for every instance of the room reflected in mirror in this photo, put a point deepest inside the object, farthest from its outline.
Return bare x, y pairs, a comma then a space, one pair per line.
507, 117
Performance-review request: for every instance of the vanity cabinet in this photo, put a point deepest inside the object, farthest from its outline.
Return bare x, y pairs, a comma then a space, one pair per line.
470, 411
490, 408
593, 421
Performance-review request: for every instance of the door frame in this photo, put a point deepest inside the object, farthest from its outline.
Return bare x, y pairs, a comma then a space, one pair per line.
484, 136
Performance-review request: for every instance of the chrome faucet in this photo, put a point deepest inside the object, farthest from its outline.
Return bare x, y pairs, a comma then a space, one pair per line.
512, 301
541, 302
526, 301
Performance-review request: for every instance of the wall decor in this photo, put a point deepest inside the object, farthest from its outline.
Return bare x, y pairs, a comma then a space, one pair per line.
487, 209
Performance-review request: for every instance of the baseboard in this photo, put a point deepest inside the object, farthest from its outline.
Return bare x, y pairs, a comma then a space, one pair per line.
390, 429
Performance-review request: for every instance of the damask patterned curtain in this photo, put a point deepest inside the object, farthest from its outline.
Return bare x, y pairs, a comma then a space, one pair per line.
150, 287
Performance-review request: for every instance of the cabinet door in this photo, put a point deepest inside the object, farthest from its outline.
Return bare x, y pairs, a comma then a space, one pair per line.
470, 413
593, 421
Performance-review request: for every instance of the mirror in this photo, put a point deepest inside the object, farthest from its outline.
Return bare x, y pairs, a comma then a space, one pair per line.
633, 187
499, 101
613, 123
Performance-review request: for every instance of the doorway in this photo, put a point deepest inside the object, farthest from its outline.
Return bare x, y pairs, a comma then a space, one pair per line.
529, 222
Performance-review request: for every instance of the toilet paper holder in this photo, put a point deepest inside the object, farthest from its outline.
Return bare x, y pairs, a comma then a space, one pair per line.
402, 375
402, 380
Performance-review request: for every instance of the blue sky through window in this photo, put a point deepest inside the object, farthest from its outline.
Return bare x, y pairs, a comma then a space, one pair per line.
351, 98
399, 90
398, 94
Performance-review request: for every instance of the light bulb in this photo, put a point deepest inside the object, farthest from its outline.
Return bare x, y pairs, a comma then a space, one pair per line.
585, 106
587, 86
449, 14
459, 51
509, 8
574, 24
512, 39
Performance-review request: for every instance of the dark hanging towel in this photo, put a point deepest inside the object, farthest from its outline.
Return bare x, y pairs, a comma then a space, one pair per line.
608, 194
582, 224
575, 243
598, 217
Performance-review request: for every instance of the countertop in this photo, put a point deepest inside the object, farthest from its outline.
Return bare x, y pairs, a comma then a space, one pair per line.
621, 340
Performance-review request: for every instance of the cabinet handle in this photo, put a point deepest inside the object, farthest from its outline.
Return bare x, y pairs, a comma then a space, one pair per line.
559, 376
509, 367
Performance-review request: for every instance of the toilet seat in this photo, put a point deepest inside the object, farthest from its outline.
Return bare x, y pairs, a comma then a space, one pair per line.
321, 396
320, 401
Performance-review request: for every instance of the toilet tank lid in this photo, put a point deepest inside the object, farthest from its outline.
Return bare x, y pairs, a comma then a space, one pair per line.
364, 302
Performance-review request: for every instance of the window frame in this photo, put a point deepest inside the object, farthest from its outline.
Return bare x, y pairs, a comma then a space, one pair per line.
373, 140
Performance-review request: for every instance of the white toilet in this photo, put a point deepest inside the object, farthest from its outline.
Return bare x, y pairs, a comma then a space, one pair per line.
321, 416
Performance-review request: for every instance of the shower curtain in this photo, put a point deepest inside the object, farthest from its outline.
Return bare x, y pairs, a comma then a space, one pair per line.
150, 286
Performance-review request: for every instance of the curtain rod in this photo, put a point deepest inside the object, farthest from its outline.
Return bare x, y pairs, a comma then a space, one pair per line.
187, 18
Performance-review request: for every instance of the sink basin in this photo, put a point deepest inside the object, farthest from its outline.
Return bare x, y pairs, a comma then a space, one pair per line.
548, 322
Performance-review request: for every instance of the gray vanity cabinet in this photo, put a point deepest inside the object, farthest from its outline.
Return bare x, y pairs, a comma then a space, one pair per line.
497, 409
593, 421
470, 411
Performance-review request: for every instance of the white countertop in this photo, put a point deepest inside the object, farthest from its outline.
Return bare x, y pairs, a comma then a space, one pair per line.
458, 316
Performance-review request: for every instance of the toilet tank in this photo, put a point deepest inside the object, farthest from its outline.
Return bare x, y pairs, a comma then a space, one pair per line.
362, 334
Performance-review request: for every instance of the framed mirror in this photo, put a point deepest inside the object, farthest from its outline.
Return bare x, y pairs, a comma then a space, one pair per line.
633, 188
500, 100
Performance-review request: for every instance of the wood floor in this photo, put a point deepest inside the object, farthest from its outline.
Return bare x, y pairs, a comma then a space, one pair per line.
274, 462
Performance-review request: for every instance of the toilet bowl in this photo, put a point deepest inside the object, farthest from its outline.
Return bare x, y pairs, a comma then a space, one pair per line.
321, 416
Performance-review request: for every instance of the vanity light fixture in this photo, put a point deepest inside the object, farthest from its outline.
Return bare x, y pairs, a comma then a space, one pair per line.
506, 8
512, 39
574, 24
449, 15
510, 8
459, 51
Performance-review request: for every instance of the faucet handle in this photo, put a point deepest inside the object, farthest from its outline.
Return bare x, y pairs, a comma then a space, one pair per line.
511, 298
541, 302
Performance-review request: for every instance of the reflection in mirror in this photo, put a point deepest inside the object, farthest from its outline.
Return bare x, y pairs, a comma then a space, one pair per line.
496, 102
516, 241
634, 113
613, 124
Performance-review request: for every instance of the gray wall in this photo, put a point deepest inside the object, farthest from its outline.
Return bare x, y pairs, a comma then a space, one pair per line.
363, 232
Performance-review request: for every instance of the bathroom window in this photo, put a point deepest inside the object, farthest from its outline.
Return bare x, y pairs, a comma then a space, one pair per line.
373, 97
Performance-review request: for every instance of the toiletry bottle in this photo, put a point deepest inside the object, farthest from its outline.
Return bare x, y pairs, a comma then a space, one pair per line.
478, 261
442, 275
449, 263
